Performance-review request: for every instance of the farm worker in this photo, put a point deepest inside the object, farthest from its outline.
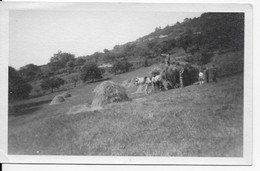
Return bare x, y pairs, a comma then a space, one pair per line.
201, 78
211, 73
206, 74
214, 69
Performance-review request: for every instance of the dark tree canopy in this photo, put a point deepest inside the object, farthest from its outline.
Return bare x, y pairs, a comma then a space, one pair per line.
121, 67
90, 72
51, 83
80, 61
30, 72
18, 88
60, 59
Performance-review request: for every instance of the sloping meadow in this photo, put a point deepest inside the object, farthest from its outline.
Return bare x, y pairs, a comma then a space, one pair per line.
193, 121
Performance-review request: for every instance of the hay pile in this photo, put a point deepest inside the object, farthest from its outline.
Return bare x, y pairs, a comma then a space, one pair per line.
108, 92
66, 94
57, 100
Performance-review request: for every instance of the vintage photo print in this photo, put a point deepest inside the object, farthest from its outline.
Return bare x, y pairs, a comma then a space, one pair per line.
127, 83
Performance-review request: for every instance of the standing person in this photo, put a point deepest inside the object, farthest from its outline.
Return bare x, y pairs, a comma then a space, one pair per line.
201, 77
206, 74
214, 69
210, 74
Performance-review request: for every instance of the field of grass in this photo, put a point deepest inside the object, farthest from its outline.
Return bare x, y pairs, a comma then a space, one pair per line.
196, 120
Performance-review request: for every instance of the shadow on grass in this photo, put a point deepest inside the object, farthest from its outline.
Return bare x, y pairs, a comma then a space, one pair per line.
25, 109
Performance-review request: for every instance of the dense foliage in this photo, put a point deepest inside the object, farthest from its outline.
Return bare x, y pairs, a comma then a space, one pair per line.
30, 72
90, 72
51, 83
59, 60
121, 67
18, 88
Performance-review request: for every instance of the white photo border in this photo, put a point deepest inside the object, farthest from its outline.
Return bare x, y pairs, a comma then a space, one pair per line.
170, 7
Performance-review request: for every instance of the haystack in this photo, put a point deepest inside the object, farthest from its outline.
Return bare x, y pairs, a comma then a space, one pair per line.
57, 100
66, 94
108, 92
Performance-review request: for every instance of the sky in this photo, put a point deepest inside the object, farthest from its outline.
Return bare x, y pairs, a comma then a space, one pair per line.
34, 36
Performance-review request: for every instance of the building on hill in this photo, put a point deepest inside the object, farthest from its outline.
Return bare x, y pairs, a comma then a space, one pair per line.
107, 65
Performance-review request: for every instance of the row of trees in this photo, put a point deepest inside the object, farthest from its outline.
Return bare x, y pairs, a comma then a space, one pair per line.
199, 37
19, 81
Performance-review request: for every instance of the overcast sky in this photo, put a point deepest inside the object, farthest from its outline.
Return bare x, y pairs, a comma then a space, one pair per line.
36, 35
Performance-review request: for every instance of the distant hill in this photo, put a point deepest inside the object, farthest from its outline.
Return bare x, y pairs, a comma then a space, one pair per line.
207, 33
194, 40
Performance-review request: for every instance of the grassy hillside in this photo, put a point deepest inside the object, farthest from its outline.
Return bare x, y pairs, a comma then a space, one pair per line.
194, 121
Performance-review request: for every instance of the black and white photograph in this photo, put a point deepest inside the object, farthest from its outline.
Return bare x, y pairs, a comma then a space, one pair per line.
130, 82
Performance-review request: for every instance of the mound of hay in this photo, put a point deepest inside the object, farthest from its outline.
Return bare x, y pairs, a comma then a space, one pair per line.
108, 92
57, 100
66, 94
170, 77
190, 75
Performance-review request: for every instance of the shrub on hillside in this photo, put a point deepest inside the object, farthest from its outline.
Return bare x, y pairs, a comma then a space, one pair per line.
90, 72
51, 83
73, 78
121, 67
80, 61
205, 57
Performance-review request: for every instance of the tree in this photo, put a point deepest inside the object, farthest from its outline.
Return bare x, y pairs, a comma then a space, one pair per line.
223, 30
51, 83
60, 59
121, 67
185, 40
70, 66
90, 72
73, 78
79, 61
105, 50
17, 87
29, 72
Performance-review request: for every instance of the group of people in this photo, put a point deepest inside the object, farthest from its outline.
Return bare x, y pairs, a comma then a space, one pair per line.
208, 74
155, 82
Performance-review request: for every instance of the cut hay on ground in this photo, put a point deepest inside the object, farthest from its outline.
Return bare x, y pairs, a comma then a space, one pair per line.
125, 83
66, 94
78, 109
57, 100
141, 89
108, 92
128, 83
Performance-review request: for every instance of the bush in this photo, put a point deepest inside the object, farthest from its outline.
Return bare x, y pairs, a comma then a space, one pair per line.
51, 83
90, 72
73, 78
18, 88
121, 67
80, 61
205, 57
